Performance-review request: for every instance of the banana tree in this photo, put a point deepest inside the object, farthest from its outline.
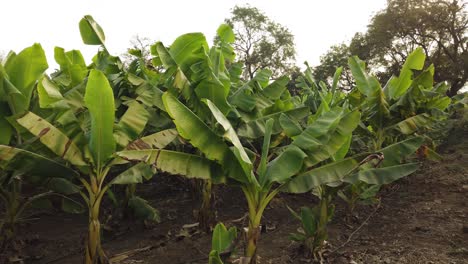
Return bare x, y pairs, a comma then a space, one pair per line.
197, 71
92, 156
18, 77
405, 106
260, 175
408, 105
222, 244
48, 176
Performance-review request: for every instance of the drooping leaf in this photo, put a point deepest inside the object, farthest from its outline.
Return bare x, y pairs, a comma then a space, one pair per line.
71, 206
134, 174
157, 140
64, 186
32, 164
230, 134
131, 124
412, 124
53, 138
329, 173
286, 165
178, 163
256, 128
49, 95
205, 139
291, 127
143, 210
274, 90
386, 175
396, 153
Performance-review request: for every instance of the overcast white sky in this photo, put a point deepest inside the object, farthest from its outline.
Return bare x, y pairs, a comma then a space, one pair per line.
316, 24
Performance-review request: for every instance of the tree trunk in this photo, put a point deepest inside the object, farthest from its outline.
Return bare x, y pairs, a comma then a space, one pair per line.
455, 87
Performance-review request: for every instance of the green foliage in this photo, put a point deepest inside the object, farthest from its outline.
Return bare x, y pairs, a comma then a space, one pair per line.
222, 243
314, 221
86, 128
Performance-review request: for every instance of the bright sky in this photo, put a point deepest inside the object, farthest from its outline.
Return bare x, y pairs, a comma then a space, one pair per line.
316, 24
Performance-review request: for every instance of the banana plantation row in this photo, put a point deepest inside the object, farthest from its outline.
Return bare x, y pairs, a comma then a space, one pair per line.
79, 131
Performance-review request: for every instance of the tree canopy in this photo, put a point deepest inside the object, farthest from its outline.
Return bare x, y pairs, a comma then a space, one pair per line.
438, 26
261, 43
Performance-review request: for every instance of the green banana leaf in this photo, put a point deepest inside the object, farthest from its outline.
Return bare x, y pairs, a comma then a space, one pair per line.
192, 128
397, 86
173, 162
339, 171
396, 153
5, 127
50, 96
230, 134
255, 128
376, 103
73, 68
134, 174
412, 124
332, 141
23, 71
222, 237
32, 164
91, 32
143, 210
290, 126
386, 175
329, 173
131, 124
99, 99
285, 166
157, 140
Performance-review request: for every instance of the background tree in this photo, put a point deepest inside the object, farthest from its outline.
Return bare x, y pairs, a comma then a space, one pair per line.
438, 26
139, 47
336, 56
261, 43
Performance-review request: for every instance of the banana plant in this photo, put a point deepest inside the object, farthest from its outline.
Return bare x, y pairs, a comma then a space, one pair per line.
314, 221
260, 175
406, 105
19, 75
222, 243
48, 176
369, 169
197, 72
92, 159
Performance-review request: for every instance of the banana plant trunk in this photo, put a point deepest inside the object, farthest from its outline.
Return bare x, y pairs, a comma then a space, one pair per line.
253, 234
205, 214
94, 252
